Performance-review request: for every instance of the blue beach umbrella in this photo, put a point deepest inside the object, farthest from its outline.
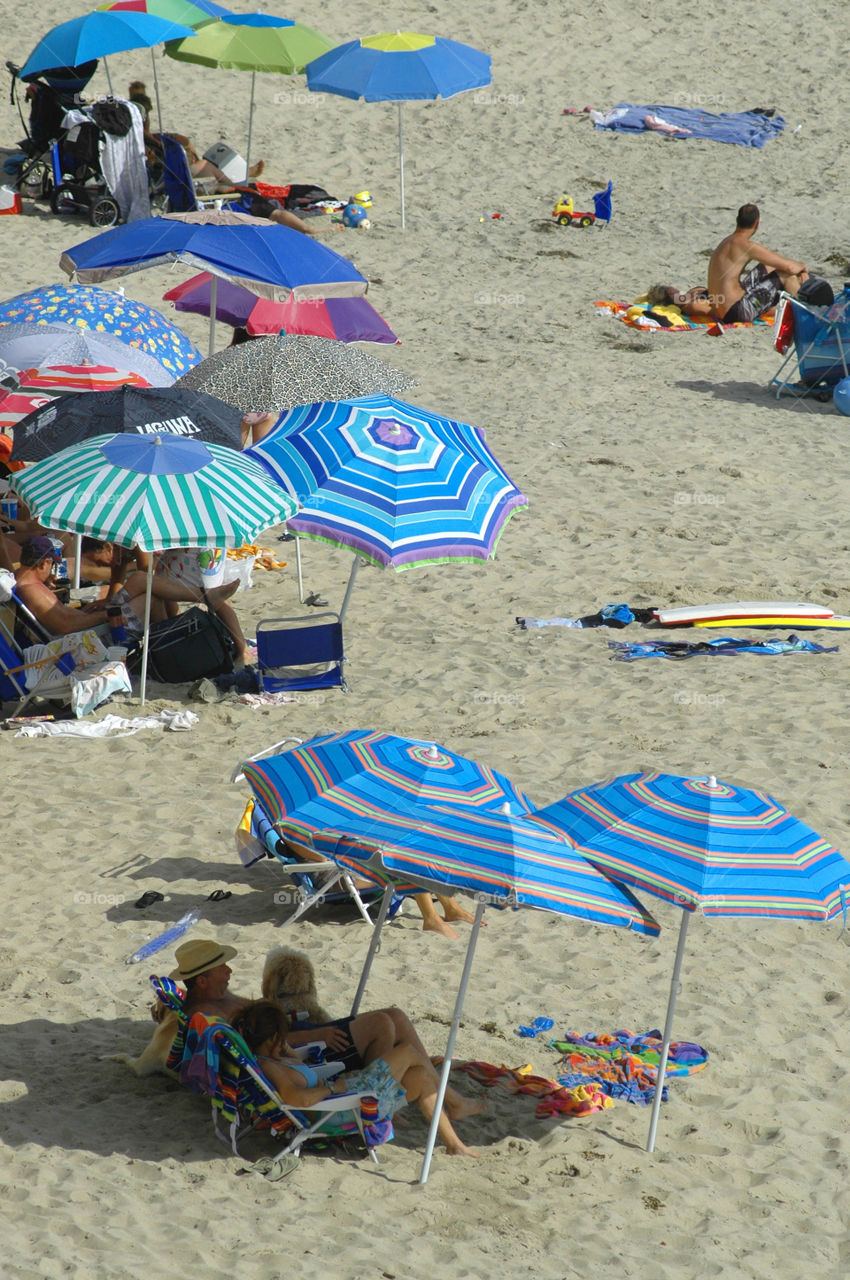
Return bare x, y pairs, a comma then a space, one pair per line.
104, 311
400, 67
97, 35
272, 261
395, 483
705, 845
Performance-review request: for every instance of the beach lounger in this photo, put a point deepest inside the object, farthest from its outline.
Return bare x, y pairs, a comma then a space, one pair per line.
212, 1059
818, 338
300, 653
18, 630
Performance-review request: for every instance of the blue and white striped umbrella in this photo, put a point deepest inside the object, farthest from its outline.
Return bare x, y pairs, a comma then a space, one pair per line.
395, 483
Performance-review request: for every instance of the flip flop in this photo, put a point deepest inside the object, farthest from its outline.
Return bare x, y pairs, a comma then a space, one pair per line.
218, 895
148, 899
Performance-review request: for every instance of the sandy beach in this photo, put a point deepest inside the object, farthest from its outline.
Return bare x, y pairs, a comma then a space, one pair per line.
659, 471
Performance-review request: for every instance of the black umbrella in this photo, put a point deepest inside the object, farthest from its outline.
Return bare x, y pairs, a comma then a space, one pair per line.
144, 410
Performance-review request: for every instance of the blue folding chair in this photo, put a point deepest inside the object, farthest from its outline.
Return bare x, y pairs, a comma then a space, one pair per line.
300, 653
177, 181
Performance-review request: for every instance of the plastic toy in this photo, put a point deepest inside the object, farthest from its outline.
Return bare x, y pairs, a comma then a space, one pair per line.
354, 214
566, 214
841, 396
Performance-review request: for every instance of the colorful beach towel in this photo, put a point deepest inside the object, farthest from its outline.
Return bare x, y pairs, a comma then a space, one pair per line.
625, 651
639, 315
740, 128
554, 1100
624, 1065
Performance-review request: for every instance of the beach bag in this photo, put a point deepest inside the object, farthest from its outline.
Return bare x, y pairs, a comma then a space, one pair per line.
191, 646
816, 292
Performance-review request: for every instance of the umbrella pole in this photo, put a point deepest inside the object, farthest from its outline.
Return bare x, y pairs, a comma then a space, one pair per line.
147, 636
250, 127
156, 91
108, 76
450, 1043
300, 571
78, 551
213, 309
374, 948
349, 588
401, 162
668, 1029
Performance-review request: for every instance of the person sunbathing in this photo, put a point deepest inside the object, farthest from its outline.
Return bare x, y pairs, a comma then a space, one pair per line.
395, 1078
742, 296
199, 166
693, 302
202, 967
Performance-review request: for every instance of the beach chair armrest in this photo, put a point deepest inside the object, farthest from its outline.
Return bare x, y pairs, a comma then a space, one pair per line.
339, 1102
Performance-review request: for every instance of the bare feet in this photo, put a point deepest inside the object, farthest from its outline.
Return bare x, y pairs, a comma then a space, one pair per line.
460, 1107
452, 911
436, 925
256, 169
458, 1149
224, 592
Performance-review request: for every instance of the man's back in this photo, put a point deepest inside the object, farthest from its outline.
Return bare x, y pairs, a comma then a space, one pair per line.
724, 271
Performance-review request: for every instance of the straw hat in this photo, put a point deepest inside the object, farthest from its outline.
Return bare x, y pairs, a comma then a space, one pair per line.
199, 955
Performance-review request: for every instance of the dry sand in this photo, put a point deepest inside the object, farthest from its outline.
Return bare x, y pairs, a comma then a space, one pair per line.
658, 471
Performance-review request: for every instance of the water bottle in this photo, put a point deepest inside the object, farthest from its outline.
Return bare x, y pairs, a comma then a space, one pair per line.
9, 508
115, 621
61, 563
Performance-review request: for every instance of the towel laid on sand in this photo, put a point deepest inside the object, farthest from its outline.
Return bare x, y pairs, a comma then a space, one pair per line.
741, 128
640, 315
625, 651
554, 1100
623, 1064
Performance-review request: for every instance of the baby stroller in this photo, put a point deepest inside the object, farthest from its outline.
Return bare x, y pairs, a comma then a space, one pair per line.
50, 95
819, 339
78, 184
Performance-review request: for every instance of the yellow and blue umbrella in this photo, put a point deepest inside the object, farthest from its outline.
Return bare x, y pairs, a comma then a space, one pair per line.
401, 66
705, 845
104, 311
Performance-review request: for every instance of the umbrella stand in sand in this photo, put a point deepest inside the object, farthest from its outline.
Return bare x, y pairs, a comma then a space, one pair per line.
402, 806
705, 845
400, 67
392, 482
153, 492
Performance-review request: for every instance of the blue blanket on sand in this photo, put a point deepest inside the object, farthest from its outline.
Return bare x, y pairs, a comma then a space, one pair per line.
742, 128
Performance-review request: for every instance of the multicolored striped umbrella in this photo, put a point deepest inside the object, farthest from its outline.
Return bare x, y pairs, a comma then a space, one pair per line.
153, 492
105, 311
705, 845
397, 484
35, 388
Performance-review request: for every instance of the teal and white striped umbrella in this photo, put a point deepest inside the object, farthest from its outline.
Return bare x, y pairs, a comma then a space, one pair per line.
154, 492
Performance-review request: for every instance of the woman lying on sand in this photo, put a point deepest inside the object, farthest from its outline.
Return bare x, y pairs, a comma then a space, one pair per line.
397, 1078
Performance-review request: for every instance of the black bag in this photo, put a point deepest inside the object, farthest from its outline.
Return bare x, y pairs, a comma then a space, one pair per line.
816, 292
192, 645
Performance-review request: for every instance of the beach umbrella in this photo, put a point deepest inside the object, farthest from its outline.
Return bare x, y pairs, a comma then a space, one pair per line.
153, 492
270, 260
343, 319
35, 388
33, 346
143, 411
96, 35
399, 67
105, 311
396, 484
252, 42
274, 373
708, 846
189, 13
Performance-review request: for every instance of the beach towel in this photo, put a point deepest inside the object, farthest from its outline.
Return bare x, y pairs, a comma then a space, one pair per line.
554, 1100
639, 315
741, 128
625, 651
625, 1065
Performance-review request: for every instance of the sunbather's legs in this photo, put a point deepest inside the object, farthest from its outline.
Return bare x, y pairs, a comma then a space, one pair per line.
421, 1083
431, 918
455, 1103
373, 1035
167, 590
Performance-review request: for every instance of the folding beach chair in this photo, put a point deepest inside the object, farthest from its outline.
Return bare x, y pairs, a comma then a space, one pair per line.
212, 1059
19, 630
818, 338
300, 653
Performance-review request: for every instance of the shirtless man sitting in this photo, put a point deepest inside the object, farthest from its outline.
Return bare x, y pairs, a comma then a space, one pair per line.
203, 970
738, 295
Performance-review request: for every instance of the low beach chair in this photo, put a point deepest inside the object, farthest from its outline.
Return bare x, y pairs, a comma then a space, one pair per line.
300, 653
19, 630
212, 1059
818, 339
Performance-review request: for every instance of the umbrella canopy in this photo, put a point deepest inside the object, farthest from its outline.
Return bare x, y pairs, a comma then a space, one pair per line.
32, 346
252, 42
148, 411
706, 845
191, 13
343, 319
107, 311
270, 260
153, 492
96, 35
397, 484
36, 388
399, 67
272, 374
